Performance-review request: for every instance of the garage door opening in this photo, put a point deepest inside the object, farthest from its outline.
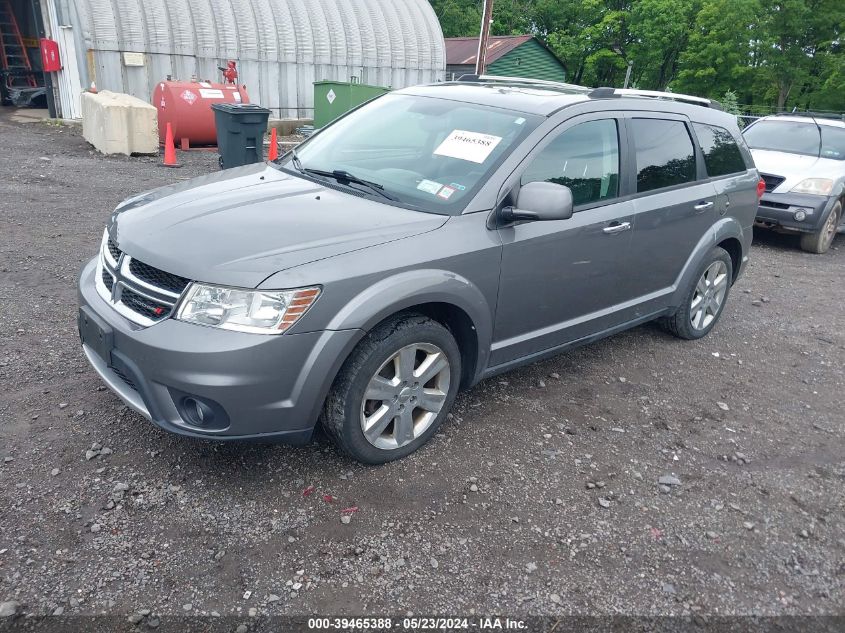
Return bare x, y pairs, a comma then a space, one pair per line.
21, 74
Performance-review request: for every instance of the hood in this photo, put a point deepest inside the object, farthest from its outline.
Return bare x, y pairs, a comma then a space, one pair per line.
239, 226
796, 167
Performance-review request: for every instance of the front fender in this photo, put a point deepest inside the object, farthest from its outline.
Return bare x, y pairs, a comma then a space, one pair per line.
725, 228
416, 287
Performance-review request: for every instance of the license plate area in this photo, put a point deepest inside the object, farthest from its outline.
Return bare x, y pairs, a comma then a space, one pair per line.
96, 334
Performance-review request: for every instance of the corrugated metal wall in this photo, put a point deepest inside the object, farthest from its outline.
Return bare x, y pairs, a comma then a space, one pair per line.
532, 60
282, 46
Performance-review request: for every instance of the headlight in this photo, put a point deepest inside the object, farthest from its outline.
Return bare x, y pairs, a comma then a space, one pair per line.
816, 186
254, 311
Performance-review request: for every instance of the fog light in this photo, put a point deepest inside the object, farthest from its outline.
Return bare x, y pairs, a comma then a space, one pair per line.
198, 413
800, 215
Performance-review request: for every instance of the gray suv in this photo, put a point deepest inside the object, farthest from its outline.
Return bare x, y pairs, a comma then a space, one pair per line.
429, 239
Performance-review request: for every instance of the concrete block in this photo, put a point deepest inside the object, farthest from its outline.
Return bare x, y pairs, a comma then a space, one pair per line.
116, 123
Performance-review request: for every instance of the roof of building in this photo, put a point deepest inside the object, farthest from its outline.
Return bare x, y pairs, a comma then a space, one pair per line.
281, 46
462, 51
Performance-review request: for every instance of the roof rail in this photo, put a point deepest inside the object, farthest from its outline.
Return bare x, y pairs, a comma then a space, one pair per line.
523, 81
605, 93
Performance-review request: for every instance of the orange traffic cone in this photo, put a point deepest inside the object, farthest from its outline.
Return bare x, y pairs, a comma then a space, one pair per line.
273, 154
170, 149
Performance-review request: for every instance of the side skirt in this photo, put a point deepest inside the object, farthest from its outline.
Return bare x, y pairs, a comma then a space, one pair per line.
585, 340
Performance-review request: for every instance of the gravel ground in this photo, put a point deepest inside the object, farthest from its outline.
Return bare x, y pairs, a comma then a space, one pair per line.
640, 475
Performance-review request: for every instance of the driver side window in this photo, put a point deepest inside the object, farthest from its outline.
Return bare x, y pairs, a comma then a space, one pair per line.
584, 158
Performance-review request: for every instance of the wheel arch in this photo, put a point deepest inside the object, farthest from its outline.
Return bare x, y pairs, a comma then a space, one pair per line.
734, 248
728, 232
443, 296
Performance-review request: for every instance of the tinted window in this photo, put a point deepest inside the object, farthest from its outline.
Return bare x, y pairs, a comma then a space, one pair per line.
784, 136
833, 142
721, 154
584, 158
797, 138
665, 155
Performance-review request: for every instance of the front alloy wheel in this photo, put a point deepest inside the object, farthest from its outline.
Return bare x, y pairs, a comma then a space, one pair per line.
405, 396
820, 241
394, 390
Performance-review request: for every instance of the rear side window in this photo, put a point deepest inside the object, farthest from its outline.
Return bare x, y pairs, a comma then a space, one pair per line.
665, 154
584, 158
721, 154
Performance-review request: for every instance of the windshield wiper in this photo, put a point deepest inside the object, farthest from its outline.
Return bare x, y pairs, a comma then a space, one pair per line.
344, 177
297, 164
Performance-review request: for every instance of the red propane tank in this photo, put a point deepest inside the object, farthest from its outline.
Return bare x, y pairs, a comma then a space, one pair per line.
186, 105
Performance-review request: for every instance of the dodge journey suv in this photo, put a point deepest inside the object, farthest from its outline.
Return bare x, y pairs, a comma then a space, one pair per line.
425, 241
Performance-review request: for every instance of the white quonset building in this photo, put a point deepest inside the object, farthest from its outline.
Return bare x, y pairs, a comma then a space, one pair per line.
281, 46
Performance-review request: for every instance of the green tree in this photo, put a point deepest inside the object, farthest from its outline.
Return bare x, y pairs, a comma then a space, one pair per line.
773, 54
719, 55
660, 32
458, 18
799, 37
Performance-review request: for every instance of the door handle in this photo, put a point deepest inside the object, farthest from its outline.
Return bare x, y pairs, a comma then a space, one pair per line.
618, 227
704, 206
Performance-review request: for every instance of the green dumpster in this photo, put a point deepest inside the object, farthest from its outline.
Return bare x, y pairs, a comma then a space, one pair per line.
335, 98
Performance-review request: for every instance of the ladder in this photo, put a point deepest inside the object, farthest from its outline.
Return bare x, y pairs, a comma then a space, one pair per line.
14, 60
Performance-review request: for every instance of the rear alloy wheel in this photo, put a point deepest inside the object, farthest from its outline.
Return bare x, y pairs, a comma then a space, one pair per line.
705, 299
394, 390
820, 241
709, 295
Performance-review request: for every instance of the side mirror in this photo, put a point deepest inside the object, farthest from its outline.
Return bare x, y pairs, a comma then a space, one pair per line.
540, 201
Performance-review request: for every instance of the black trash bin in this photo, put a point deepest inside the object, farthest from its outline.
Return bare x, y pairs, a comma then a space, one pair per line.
240, 133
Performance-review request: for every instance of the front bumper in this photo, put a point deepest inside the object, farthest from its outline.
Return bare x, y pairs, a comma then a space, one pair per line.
265, 388
777, 210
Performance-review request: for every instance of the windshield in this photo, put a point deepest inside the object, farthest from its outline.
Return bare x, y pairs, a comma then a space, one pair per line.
797, 138
426, 153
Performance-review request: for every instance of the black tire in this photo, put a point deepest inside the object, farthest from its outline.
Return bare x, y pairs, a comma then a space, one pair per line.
341, 417
820, 241
680, 324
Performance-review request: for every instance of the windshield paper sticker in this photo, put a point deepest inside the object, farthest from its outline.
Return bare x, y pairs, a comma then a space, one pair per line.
445, 193
429, 186
470, 146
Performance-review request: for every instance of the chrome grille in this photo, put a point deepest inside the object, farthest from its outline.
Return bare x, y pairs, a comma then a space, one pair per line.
114, 250
108, 280
145, 306
772, 182
142, 293
158, 278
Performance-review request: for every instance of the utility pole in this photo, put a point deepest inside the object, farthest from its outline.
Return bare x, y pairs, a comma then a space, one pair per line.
486, 19
628, 74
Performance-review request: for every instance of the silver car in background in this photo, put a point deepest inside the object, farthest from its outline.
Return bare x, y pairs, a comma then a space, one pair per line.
801, 158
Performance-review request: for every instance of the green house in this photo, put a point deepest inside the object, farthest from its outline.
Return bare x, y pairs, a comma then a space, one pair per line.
507, 56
